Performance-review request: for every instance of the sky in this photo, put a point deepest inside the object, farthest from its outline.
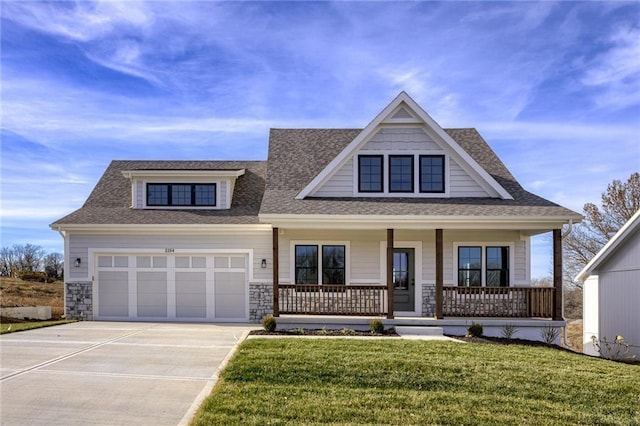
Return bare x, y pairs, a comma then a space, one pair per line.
554, 87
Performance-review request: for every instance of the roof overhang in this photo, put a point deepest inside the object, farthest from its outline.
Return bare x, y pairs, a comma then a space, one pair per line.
627, 229
164, 229
528, 225
132, 174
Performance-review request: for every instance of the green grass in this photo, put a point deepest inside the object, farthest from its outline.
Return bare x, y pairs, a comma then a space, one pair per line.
392, 381
22, 326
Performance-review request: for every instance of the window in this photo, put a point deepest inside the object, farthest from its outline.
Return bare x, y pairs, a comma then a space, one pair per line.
183, 194
306, 264
333, 264
401, 173
432, 173
370, 173
497, 267
470, 266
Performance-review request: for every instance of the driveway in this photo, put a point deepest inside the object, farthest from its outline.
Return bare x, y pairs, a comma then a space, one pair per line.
109, 373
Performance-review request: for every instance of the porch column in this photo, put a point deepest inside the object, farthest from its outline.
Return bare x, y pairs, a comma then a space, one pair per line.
390, 273
439, 273
276, 304
557, 274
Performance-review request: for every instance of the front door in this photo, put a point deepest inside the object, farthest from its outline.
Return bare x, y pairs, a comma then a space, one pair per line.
404, 282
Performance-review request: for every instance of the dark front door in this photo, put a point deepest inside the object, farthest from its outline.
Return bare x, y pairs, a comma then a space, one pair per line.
404, 283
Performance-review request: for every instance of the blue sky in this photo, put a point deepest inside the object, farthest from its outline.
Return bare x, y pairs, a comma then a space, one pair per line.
554, 87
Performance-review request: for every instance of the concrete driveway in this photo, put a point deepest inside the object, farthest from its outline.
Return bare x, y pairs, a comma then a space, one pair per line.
110, 373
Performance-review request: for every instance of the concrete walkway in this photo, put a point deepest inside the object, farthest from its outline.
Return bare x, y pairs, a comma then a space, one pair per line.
108, 373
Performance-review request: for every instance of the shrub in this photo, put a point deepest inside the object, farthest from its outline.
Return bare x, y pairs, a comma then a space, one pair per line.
34, 276
617, 350
549, 334
475, 330
348, 331
376, 326
269, 323
508, 331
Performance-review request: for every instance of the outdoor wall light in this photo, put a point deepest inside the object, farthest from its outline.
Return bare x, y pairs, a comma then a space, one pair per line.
78, 262
264, 263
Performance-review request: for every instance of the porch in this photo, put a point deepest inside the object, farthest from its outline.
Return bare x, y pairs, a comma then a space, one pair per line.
377, 299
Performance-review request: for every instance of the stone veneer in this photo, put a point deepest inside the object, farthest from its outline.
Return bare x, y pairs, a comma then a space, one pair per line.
428, 300
79, 298
260, 301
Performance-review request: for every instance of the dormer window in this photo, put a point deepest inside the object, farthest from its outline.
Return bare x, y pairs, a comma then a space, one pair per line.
182, 194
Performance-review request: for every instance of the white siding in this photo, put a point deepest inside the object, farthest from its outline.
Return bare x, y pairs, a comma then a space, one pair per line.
520, 261
340, 184
461, 184
223, 202
139, 196
260, 243
401, 139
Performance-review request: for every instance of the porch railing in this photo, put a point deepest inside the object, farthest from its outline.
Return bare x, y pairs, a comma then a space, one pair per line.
328, 299
519, 302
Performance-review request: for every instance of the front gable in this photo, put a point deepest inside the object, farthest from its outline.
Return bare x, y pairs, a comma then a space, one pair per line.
408, 155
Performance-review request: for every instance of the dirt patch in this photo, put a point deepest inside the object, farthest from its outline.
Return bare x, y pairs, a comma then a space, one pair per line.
18, 293
324, 332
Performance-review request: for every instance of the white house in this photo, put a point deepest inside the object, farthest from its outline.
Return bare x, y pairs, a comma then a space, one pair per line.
401, 218
611, 297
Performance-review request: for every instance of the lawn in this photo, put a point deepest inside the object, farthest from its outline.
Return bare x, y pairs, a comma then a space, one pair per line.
394, 381
29, 325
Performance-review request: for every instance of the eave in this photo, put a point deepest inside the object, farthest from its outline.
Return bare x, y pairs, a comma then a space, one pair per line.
164, 229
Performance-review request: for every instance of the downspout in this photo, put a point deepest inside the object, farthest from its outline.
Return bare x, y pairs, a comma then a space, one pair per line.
565, 339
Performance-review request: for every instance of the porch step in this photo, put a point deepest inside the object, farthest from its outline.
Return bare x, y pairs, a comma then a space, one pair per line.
404, 330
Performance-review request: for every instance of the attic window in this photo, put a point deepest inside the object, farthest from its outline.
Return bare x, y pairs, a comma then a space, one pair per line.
182, 194
370, 173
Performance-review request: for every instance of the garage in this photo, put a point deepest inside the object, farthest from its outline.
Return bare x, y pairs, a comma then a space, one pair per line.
171, 287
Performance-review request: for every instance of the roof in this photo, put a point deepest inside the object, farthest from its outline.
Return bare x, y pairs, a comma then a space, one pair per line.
110, 201
612, 245
296, 156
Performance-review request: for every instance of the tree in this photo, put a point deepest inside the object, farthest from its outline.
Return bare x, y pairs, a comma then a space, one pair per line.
54, 265
620, 201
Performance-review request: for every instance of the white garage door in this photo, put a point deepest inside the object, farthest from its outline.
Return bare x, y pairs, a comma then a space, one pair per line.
171, 287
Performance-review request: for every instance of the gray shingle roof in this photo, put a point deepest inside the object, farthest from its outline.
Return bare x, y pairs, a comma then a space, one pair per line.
110, 201
296, 156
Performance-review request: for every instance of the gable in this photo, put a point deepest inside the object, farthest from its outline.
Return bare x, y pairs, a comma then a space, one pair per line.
404, 139
626, 257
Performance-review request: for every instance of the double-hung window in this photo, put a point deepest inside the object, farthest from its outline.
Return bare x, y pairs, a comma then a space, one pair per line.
327, 264
181, 194
432, 173
490, 270
370, 173
401, 173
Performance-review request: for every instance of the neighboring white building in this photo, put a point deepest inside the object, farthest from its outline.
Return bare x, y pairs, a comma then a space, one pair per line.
611, 297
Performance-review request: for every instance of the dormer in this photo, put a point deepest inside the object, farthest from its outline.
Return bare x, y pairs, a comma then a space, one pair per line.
404, 153
182, 189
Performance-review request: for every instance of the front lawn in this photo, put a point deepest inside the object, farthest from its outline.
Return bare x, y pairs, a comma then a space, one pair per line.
392, 381
12, 327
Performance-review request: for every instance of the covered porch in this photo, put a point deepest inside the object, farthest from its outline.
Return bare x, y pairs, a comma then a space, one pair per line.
376, 299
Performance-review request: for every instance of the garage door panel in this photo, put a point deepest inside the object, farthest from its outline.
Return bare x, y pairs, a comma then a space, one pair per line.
230, 294
191, 288
113, 294
152, 294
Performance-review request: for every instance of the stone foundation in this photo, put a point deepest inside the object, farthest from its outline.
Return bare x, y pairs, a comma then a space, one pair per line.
79, 300
260, 301
428, 300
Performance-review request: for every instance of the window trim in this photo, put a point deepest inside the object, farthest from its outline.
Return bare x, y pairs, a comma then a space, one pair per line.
444, 183
389, 159
507, 268
379, 156
295, 264
483, 245
319, 244
482, 261
193, 194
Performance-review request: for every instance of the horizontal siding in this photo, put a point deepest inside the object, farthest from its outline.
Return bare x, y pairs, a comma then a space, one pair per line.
222, 187
401, 139
461, 184
79, 245
139, 199
340, 184
520, 261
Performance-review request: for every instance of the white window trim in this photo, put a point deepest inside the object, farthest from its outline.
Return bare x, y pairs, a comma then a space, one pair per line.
292, 257
217, 183
416, 175
484, 246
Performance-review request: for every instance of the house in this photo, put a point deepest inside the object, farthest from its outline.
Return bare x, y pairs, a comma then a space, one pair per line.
401, 219
611, 291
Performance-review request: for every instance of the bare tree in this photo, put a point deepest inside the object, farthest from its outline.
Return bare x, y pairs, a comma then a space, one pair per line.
54, 265
8, 261
619, 202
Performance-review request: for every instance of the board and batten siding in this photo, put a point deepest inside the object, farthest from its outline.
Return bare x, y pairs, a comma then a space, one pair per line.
365, 257
260, 243
403, 140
